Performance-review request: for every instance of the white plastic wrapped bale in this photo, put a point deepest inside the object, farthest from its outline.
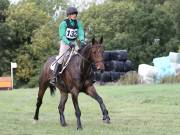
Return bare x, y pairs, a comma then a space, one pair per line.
176, 66
164, 67
174, 57
147, 73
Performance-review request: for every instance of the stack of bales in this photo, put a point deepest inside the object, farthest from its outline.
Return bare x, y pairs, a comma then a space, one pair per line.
163, 67
116, 65
175, 61
147, 73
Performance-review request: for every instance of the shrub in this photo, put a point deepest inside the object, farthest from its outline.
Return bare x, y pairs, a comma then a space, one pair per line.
131, 77
171, 79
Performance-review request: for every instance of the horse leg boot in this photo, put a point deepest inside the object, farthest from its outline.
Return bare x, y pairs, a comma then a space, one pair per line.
57, 68
91, 91
38, 104
64, 97
77, 110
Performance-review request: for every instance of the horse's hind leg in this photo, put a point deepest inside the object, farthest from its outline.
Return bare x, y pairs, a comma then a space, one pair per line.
42, 89
64, 97
91, 91
76, 107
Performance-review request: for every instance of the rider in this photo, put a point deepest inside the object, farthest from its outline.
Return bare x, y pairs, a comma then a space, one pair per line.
69, 30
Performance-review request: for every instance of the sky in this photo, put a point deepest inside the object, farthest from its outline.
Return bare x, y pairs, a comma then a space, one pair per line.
13, 1
79, 2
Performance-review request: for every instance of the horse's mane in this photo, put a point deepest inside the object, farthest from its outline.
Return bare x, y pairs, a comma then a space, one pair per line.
85, 49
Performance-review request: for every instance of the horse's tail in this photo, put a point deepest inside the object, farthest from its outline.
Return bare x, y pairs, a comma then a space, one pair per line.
52, 90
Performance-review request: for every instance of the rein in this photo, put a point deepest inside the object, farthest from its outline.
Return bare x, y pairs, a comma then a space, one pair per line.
84, 58
87, 59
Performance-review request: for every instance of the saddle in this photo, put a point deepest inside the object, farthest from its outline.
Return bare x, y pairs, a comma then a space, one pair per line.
68, 56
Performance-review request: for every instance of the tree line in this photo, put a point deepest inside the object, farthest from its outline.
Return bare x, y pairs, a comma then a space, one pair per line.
29, 31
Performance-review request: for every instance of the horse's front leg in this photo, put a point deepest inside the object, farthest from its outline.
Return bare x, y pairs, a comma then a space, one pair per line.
91, 91
75, 94
64, 97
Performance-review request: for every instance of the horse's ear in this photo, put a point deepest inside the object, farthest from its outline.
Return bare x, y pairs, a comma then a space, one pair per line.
101, 40
93, 40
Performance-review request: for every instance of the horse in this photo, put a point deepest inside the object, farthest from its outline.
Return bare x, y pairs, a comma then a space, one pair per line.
74, 79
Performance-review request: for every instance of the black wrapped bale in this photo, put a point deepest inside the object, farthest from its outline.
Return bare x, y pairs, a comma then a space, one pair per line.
107, 65
120, 55
117, 66
107, 55
128, 66
116, 75
97, 76
106, 77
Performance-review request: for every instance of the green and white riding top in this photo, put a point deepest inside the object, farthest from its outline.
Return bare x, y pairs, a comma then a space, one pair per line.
70, 30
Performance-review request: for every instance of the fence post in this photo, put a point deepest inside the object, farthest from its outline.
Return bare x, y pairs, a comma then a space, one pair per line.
13, 65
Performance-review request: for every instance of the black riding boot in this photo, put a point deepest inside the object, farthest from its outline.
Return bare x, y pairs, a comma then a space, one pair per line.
55, 73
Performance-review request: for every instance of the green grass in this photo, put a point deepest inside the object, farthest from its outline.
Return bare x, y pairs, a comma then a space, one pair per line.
134, 110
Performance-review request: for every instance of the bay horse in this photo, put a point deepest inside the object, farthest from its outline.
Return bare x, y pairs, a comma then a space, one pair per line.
74, 79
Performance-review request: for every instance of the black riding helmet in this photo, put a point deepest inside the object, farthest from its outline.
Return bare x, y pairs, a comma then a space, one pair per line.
71, 10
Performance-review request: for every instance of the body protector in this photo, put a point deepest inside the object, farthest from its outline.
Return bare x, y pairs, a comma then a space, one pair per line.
71, 31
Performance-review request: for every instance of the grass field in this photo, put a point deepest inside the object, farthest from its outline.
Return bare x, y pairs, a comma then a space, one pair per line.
134, 110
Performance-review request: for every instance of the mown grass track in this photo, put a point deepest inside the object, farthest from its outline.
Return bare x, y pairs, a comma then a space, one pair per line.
134, 110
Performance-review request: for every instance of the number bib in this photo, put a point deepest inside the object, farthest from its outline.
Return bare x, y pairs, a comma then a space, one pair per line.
71, 33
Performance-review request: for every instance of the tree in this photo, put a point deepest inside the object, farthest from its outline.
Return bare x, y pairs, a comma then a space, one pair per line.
107, 19
177, 18
24, 20
31, 38
50, 6
4, 4
4, 37
148, 25
142, 27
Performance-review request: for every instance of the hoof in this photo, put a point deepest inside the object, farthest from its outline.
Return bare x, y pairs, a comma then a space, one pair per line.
79, 128
36, 117
64, 125
106, 119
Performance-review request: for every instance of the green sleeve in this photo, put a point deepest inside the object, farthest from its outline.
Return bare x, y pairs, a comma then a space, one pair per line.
62, 32
80, 32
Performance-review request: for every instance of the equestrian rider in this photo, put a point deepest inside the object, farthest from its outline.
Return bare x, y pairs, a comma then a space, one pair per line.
69, 30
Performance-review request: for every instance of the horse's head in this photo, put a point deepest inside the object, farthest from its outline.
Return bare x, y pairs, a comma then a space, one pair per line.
97, 51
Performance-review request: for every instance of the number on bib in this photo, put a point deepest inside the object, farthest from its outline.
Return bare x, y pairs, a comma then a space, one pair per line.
71, 33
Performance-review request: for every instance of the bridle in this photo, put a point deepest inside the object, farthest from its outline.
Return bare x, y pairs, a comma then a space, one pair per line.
88, 60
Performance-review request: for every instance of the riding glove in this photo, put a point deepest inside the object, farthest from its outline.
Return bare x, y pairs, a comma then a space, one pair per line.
71, 45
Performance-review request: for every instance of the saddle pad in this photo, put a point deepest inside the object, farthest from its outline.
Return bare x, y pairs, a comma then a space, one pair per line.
65, 60
54, 63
